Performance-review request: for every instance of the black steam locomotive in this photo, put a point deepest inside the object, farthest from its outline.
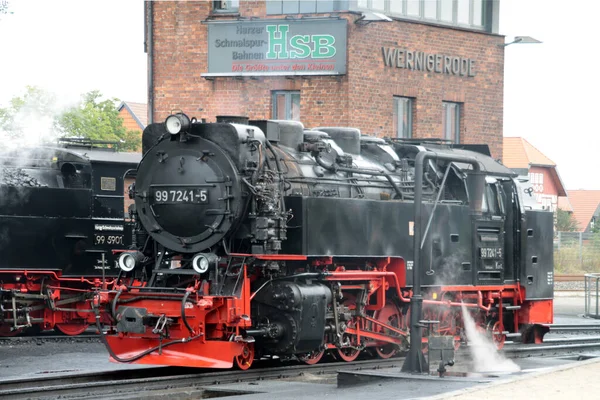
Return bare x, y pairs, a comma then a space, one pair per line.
265, 238
62, 214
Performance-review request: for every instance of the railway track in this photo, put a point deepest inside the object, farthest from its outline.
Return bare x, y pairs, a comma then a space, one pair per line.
149, 382
47, 338
155, 382
553, 347
569, 278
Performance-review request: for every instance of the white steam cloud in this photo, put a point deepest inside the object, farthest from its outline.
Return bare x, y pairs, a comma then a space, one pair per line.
483, 351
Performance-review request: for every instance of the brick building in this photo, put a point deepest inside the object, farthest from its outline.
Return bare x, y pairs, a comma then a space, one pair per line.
413, 68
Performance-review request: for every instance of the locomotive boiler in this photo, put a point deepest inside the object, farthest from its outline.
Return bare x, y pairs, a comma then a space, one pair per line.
263, 238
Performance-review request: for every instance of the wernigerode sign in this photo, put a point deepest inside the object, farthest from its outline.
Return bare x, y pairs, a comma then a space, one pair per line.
421, 61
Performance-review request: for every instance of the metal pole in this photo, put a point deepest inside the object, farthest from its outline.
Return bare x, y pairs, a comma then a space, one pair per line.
581, 249
415, 361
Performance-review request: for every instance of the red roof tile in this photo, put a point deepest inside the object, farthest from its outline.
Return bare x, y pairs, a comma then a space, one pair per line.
519, 153
139, 111
585, 203
564, 204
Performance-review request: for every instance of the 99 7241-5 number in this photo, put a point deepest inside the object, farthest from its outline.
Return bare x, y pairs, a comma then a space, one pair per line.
176, 196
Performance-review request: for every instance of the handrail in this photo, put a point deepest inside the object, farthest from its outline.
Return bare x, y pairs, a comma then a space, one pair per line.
592, 298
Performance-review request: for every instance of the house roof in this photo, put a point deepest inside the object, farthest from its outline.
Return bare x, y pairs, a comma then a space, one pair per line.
565, 204
585, 203
139, 112
519, 153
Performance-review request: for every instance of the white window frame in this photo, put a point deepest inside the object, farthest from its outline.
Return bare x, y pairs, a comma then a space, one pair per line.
406, 104
451, 131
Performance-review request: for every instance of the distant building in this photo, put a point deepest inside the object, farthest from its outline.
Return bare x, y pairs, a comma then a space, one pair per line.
586, 211
523, 158
402, 69
135, 118
135, 115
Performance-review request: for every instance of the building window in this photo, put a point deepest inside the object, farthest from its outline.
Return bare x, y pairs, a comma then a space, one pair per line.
306, 6
403, 109
466, 13
286, 105
451, 121
226, 6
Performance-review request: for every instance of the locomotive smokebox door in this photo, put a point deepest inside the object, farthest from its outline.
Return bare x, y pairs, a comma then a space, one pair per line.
441, 351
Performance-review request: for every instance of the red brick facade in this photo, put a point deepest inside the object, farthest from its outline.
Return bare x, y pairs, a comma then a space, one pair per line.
362, 98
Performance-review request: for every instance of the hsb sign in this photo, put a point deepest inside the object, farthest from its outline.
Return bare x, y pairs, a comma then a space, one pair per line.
298, 46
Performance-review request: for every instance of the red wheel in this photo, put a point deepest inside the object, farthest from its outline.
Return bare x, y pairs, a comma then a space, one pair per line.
497, 336
71, 329
348, 354
389, 315
312, 358
6, 332
244, 360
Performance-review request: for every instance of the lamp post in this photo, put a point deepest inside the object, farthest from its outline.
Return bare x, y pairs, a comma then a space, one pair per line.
521, 40
415, 360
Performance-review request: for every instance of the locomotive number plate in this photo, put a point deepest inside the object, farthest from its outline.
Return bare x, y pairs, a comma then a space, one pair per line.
490, 252
180, 195
110, 240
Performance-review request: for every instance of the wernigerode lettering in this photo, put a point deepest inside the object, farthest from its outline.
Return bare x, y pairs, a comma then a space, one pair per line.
421, 61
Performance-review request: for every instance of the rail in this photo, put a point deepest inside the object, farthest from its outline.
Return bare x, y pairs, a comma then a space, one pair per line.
569, 277
592, 299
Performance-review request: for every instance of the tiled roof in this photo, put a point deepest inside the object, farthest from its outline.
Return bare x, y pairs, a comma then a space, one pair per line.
564, 204
585, 203
519, 153
139, 111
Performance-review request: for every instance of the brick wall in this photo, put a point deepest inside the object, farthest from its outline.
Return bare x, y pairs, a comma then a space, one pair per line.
362, 98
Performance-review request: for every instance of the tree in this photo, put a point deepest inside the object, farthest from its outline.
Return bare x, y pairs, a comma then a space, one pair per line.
565, 222
98, 120
29, 117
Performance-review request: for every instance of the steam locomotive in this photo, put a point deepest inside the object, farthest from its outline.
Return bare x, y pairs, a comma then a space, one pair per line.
263, 238
62, 214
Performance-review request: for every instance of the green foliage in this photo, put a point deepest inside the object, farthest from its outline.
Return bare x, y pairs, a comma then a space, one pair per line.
565, 222
5, 7
98, 119
36, 115
34, 106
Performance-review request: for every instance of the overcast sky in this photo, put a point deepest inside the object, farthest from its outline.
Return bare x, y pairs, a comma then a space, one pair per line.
551, 89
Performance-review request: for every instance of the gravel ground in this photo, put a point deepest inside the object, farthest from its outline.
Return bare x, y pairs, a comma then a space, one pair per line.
575, 285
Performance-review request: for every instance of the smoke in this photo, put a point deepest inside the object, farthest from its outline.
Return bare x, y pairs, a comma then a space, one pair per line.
28, 122
483, 351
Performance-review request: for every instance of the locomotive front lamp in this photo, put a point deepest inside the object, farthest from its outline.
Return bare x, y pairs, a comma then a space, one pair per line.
201, 262
128, 261
177, 123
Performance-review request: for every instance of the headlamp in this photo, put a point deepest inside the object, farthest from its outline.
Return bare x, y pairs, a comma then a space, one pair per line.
177, 123
201, 262
129, 260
